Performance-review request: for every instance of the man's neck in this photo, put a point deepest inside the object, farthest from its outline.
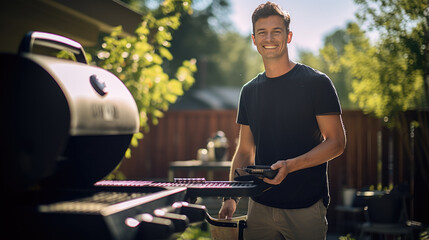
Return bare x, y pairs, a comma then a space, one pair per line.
278, 67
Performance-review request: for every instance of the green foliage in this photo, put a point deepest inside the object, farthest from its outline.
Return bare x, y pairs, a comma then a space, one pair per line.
389, 76
236, 62
195, 232
63, 54
396, 76
138, 61
383, 84
346, 237
424, 235
384, 78
225, 58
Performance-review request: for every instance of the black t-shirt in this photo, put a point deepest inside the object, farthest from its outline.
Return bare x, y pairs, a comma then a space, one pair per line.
281, 113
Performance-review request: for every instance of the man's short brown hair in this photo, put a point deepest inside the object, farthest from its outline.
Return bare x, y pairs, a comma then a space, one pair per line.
270, 9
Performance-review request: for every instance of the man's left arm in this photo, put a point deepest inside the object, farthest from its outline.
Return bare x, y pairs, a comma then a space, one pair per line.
332, 130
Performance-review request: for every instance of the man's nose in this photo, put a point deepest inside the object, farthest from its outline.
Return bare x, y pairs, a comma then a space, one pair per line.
270, 36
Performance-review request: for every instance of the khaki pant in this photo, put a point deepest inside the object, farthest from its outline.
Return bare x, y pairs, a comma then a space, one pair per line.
269, 223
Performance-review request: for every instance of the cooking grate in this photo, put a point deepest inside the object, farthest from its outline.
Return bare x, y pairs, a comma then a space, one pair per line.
93, 204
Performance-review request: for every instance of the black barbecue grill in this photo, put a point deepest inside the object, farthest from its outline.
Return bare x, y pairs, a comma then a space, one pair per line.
67, 126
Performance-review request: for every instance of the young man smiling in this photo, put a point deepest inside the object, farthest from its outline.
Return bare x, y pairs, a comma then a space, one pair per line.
290, 119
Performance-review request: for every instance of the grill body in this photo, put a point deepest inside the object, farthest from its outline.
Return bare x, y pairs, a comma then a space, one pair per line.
67, 125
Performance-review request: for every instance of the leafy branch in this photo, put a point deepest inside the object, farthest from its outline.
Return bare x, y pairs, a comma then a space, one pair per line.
138, 60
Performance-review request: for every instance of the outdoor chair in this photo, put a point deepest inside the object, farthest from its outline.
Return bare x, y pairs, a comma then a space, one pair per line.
387, 216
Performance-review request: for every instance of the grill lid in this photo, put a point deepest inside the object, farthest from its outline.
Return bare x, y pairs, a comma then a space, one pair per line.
99, 102
68, 124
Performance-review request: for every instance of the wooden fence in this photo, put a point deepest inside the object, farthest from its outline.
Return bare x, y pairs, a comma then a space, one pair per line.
180, 134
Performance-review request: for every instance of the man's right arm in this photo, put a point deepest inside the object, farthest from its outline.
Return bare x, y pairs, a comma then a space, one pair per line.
245, 153
243, 157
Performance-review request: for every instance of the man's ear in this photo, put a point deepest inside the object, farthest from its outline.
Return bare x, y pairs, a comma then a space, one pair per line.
253, 39
289, 37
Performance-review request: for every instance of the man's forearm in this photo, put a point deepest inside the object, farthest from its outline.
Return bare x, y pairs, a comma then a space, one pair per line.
245, 153
240, 160
332, 129
333, 132
322, 153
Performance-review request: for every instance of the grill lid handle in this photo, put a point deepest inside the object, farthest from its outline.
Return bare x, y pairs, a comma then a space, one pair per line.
51, 41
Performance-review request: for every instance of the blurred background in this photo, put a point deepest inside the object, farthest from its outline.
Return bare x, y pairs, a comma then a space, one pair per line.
185, 62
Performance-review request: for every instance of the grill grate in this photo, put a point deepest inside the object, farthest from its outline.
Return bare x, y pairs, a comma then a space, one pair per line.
179, 183
93, 204
196, 187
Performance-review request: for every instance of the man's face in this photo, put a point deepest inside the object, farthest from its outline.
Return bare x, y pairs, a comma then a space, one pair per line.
270, 37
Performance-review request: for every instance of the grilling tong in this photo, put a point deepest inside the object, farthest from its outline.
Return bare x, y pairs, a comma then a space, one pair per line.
254, 172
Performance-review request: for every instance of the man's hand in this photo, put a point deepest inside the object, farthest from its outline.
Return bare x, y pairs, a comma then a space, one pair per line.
228, 209
283, 172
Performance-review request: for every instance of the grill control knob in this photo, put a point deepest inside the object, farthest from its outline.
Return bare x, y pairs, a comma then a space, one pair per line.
98, 85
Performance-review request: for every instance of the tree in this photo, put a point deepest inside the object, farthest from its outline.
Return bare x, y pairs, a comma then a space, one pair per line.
392, 76
225, 58
138, 61
195, 39
236, 62
398, 78
383, 83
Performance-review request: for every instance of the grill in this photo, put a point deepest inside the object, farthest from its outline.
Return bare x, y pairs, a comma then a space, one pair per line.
68, 125
200, 188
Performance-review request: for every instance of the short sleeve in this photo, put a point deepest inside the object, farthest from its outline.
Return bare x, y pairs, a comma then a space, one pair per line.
242, 113
325, 97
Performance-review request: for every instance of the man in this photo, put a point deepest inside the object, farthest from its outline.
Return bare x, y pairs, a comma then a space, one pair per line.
290, 119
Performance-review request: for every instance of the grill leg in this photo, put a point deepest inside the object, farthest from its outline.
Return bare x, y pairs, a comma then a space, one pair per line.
241, 226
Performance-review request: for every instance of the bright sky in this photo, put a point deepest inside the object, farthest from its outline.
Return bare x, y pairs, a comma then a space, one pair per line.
311, 20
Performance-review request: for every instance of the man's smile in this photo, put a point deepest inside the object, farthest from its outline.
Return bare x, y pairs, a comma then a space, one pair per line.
270, 46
